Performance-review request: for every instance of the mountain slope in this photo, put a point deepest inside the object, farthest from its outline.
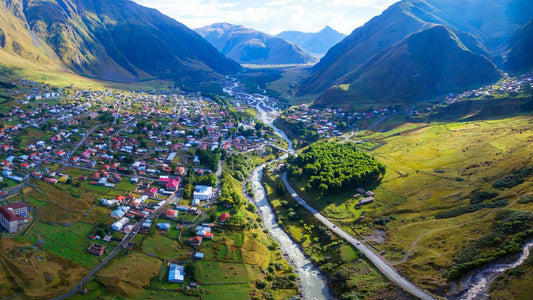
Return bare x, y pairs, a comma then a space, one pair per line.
411, 71
249, 46
520, 56
484, 27
316, 42
112, 40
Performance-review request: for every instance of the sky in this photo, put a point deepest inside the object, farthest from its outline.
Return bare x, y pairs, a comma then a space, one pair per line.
273, 16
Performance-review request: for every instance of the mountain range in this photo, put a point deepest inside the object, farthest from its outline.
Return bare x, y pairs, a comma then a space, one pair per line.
249, 46
316, 43
384, 60
112, 40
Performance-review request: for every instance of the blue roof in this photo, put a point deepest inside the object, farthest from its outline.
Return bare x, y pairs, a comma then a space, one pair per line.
176, 273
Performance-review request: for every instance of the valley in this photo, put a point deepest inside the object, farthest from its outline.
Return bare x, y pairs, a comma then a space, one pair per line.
260, 158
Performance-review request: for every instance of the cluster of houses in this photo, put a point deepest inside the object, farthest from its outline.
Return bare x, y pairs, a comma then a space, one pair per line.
364, 197
511, 87
327, 122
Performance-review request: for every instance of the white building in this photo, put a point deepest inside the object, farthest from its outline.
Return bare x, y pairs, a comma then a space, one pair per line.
203, 193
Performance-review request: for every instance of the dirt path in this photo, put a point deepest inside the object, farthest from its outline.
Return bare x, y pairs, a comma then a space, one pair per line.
413, 245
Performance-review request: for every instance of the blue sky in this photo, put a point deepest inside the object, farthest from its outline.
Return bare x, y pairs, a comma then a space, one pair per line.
273, 16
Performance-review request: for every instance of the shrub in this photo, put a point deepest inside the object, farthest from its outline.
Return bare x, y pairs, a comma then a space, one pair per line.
261, 284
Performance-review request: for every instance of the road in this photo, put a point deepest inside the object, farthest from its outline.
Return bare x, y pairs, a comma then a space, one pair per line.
377, 260
123, 244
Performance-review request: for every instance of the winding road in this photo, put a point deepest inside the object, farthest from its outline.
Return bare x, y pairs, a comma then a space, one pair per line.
377, 260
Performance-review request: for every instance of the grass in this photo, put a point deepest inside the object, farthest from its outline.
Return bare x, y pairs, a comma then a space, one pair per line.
128, 274
211, 292
336, 259
68, 242
469, 156
39, 274
166, 248
212, 272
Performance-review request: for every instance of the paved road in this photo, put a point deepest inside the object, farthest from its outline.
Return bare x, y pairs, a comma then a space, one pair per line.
377, 260
125, 241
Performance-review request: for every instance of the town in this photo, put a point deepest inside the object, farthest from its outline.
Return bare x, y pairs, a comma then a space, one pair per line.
118, 171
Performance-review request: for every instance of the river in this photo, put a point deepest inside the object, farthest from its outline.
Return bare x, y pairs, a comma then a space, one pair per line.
312, 282
476, 286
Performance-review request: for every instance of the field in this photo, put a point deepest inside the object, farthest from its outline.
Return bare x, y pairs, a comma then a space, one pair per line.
127, 275
434, 168
36, 273
352, 274
210, 272
165, 248
69, 242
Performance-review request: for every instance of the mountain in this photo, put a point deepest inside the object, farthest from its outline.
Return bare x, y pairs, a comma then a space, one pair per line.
314, 42
411, 71
112, 40
249, 46
482, 27
520, 56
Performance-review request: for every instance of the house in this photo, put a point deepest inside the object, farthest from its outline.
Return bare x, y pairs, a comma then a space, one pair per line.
360, 190
203, 193
176, 273
205, 232
151, 191
199, 255
370, 194
12, 216
118, 225
366, 200
224, 217
195, 241
164, 226
196, 160
172, 185
96, 249
172, 214
120, 212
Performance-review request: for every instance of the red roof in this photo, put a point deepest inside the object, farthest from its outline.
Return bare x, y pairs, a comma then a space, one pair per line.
173, 183
224, 217
16, 205
10, 216
196, 239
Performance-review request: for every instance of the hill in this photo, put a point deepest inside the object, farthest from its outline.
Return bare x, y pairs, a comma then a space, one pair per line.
314, 42
249, 46
520, 56
111, 40
484, 28
419, 71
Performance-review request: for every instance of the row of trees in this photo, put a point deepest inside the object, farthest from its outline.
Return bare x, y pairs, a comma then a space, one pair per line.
332, 167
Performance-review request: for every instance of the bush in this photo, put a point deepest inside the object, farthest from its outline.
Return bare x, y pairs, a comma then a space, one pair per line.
470, 209
525, 199
480, 196
261, 284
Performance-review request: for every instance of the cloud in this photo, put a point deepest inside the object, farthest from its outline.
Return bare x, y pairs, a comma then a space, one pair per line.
273, 16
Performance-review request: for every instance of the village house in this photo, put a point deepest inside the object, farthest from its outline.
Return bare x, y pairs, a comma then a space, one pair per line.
176, 273
11, 216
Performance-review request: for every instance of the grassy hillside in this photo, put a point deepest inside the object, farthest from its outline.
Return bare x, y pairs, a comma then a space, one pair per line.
426, 211
420, 72
118, 41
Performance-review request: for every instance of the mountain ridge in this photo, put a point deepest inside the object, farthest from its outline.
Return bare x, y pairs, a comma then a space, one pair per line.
249, 46
476, 32
407, 70
314, 42
117, 41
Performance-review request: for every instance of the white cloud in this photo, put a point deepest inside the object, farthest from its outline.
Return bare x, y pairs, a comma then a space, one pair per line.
273, 16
